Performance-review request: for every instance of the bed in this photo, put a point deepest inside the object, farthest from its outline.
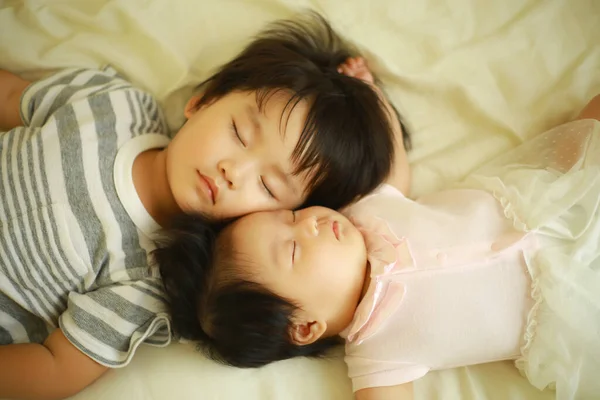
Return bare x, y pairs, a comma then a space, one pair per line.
473, 79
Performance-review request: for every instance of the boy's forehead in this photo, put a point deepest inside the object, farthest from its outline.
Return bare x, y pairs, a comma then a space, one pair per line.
271, 97
282, 105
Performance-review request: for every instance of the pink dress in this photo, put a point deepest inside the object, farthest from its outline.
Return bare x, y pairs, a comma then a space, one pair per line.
477, 274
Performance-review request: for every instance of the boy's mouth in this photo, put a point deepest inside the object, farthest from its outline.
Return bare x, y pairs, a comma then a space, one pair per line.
208, 187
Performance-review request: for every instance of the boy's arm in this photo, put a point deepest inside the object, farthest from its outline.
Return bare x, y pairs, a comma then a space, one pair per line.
54, 370
591, 110
400, 173
399, 176
398, 392
11, 88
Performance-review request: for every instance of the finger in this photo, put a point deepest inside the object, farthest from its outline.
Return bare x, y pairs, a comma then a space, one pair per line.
349, 71
344, 64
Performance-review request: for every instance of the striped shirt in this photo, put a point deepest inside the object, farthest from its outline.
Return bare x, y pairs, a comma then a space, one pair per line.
71, 254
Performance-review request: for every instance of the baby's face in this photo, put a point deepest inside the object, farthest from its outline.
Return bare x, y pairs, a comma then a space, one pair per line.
314, 257
230, 158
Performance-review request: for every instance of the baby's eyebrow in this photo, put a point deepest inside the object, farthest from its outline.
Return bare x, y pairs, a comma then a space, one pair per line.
277, 248
275, 252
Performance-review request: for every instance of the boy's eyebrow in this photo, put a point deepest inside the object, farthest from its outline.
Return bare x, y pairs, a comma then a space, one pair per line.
288, 181
253, 115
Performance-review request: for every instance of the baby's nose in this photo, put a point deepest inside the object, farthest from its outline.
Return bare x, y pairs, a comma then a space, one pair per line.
310, 226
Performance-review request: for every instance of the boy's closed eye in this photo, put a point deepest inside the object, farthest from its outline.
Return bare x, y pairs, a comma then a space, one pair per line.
236, 133
267, 188
244, 143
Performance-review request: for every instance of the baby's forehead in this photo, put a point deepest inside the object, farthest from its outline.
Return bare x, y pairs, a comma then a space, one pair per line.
240, 231
261, 219
258, 226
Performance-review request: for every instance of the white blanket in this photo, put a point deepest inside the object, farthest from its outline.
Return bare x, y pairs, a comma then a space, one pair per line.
472, 78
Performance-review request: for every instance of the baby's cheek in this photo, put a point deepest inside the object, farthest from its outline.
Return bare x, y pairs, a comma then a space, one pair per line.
332, 266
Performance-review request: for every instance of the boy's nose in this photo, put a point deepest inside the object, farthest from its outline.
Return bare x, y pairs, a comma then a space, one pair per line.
235, 172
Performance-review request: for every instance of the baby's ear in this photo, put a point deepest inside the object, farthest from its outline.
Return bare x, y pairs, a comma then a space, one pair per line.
192, 106
304, 332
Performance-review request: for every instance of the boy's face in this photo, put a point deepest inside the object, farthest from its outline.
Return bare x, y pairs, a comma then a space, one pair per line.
230, 158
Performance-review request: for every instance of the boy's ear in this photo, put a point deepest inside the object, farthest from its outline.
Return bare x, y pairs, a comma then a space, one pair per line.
303, 332
192, 106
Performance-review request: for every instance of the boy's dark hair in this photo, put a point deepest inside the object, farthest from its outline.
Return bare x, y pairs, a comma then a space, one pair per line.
347, 144
238, 322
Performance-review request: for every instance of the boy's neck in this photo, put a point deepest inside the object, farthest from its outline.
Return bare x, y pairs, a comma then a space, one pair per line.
152, 185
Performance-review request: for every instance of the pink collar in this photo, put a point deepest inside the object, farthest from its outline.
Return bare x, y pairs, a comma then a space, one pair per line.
387, 255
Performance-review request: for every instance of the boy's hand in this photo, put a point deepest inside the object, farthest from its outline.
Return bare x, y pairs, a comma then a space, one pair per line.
11, 88
356, 67
54, 370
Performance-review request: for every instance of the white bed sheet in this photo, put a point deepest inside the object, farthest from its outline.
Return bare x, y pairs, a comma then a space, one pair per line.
473, 78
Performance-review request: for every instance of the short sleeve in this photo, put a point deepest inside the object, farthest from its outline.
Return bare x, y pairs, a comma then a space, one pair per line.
106, 95
42, 98
366, 373
110, 323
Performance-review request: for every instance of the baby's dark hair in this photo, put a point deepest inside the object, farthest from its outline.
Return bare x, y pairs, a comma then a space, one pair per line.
213, 302
347, 143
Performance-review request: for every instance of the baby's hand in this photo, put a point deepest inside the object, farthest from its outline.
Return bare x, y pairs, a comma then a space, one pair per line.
357, 68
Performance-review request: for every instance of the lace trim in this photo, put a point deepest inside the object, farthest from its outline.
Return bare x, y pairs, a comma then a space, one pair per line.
531, 323
531, 328
510, 213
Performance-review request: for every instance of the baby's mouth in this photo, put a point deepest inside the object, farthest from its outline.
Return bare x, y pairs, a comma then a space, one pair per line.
336, 229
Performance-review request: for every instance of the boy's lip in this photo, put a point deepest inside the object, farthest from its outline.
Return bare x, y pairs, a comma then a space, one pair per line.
210, 187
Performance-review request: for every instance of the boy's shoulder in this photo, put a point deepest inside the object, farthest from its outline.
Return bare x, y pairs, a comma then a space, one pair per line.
107, 80
102, 94
100, 99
